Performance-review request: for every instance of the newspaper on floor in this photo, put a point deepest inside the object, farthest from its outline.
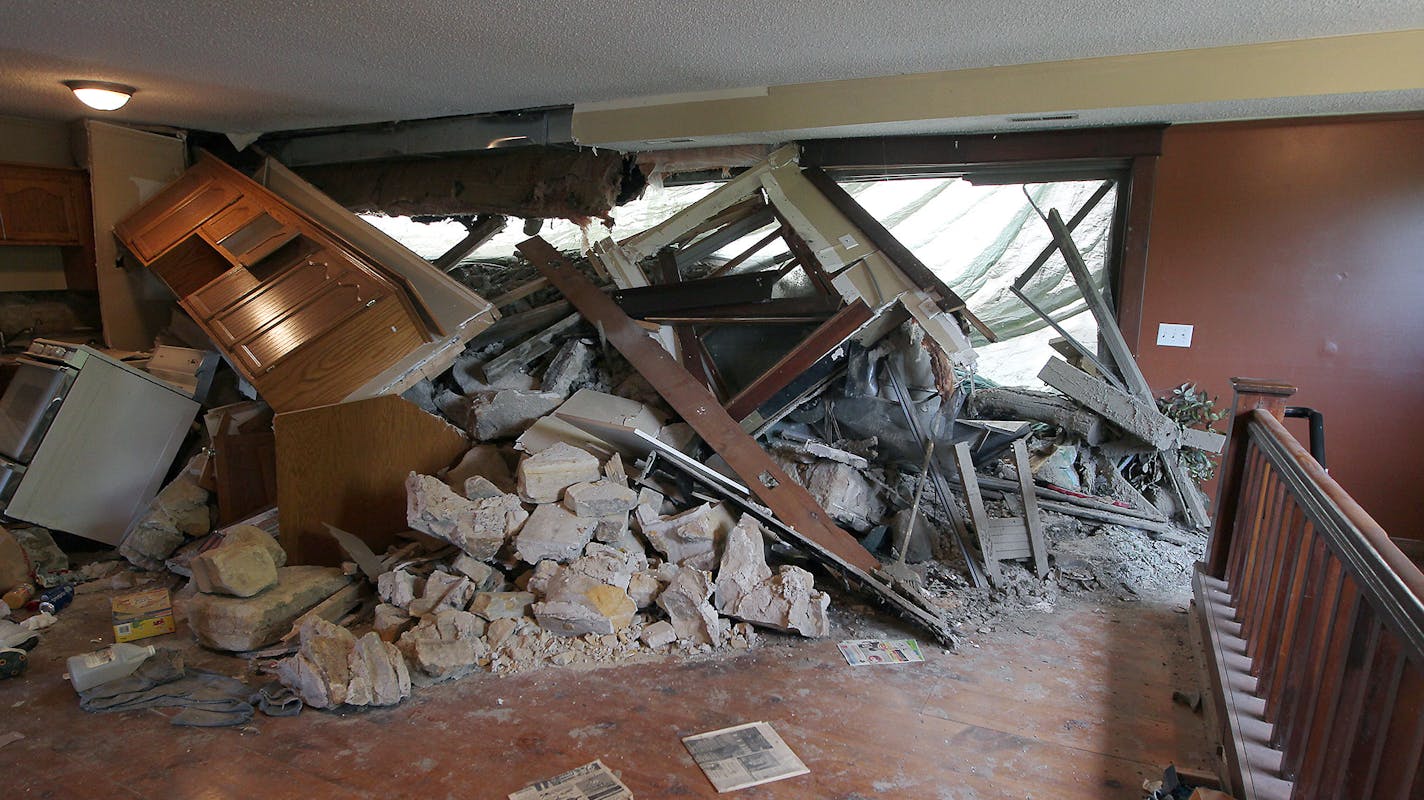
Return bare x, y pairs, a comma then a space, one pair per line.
746, 755
859, 652
589, 782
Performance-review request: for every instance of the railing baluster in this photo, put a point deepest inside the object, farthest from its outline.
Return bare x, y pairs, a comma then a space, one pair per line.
1294, 726
1246, 509
1319, 748
1284, 555
1259, 559
1295, 603
1398, 776
1377, 713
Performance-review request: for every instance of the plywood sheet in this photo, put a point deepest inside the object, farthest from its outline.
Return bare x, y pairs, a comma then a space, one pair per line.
346, 465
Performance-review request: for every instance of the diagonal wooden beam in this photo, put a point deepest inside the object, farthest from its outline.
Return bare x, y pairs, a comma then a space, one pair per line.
791, 503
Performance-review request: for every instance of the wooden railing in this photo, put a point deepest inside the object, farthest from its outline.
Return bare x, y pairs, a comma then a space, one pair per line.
1314, 621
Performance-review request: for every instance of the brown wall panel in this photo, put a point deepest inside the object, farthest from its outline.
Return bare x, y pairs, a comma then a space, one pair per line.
1297, 251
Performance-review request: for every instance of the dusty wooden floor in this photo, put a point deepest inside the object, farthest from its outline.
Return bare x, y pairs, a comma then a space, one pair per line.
1073, 704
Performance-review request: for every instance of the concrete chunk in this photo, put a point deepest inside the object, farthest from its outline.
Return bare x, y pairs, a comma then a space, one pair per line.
844, 492
644, 587
576, 604
659, 633
502, 605
601, 498
505, 413
177, 512
445, 645
333, 668
544, 476
609, 564
238, 624
553, 533
570, 368
787, 602
743, 564
391, 621
685, 601
692, 538
237, 570
398, 588
443, 590
478, 527
482, 575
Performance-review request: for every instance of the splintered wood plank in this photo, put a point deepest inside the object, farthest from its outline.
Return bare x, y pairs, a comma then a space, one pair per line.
791, 503
1030, 503
1135, 415
346, 465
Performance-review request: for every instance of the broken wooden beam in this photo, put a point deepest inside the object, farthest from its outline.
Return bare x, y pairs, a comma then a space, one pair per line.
791, 503
1010, 403
1134, 415
750, 287
477, 231
519, 292
830, 335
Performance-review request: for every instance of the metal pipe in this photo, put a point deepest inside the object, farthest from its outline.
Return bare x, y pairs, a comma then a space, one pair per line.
892, 371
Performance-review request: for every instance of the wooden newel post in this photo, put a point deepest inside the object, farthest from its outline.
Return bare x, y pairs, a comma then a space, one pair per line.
1250, 394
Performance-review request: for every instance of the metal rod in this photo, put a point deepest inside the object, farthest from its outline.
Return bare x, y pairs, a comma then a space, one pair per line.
915, 504
892, 370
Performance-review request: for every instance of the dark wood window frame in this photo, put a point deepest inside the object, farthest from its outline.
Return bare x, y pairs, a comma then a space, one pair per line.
1127, 155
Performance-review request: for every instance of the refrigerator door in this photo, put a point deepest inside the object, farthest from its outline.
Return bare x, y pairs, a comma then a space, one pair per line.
29, 405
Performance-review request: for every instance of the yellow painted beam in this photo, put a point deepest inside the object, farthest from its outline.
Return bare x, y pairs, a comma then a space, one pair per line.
1362, 63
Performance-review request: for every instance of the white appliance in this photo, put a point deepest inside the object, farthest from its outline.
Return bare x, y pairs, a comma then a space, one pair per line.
85, 440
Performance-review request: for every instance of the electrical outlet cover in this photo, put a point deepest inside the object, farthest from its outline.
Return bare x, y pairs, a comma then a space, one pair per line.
1171, 335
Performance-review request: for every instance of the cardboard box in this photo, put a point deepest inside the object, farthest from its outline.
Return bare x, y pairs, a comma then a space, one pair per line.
139, 615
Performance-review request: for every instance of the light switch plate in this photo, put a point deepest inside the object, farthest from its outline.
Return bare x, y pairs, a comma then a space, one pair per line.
1172, 335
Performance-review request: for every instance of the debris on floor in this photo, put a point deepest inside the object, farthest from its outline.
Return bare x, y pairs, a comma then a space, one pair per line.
640, 452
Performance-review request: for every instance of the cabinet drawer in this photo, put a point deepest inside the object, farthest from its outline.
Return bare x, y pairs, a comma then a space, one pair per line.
276, 298
222, 292
335, 305
181, 208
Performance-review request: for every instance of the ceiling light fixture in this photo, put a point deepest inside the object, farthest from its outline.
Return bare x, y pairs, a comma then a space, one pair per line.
101, 95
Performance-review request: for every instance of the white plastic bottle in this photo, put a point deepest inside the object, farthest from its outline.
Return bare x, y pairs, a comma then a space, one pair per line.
88, 670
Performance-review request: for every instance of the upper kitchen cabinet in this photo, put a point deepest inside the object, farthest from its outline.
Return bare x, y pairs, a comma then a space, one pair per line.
306, 317
49, 206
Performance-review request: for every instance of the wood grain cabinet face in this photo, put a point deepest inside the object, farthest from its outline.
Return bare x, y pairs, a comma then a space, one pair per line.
175, 213
42, 209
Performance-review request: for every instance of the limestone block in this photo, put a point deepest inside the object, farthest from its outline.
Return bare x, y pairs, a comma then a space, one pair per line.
502, 605
505, 413
499, 631
576, 604
482, 575
553, 533
478, 527
443, 590
609, 564
391, 621
601, 498
659, 633
644, 587
685, 601
480, 488
244, 535
743, 564
238, 624
177, 512
692, 538
332, 668
398, 588
237, 570
543, 477
788, 602
445, 645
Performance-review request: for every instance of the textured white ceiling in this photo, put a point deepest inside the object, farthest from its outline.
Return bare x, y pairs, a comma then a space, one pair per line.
281, 64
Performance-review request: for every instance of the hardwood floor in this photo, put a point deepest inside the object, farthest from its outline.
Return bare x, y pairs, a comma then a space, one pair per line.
1072, 704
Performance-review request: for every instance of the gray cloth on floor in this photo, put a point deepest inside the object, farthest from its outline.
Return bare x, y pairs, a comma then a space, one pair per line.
207, 699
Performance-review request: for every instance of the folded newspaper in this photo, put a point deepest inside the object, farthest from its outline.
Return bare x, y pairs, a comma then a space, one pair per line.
860, 652
746, 755
589, 782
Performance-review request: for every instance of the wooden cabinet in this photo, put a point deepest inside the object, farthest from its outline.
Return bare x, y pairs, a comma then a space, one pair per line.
49, 206
305, 318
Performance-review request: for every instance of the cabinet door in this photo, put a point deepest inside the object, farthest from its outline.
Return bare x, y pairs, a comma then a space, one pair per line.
38, 208
174, 213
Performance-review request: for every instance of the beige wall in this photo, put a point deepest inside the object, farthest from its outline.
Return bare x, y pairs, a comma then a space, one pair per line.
32, 141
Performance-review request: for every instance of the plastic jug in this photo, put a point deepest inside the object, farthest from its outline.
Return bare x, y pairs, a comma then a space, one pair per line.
88, 670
